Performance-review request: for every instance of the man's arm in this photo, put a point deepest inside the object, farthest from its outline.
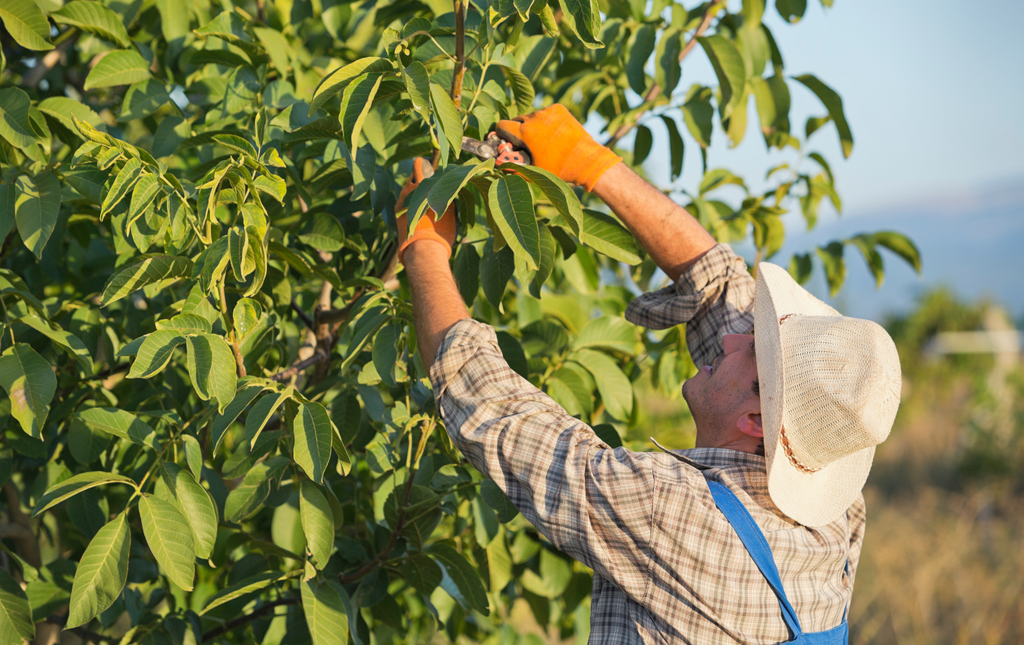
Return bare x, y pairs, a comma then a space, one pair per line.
669, 234
436, 302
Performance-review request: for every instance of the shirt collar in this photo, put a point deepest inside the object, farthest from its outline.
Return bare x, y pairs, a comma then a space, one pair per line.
706, 458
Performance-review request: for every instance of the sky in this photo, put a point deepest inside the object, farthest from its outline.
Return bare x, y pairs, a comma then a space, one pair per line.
932, 90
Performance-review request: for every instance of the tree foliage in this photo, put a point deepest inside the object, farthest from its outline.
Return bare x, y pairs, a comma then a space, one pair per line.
216, 425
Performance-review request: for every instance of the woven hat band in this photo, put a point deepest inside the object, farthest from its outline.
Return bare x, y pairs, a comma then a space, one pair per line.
842, 388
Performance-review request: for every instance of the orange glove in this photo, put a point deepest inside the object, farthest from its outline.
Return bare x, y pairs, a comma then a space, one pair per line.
441, 231
560, 145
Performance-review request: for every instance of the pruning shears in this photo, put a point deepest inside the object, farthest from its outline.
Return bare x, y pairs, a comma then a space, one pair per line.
494, 147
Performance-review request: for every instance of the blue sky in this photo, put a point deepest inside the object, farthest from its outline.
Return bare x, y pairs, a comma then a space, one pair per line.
933, 92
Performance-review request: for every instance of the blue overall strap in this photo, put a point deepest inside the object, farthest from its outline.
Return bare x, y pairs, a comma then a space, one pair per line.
757, 546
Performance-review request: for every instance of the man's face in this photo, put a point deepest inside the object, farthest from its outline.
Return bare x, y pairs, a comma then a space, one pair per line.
723, 391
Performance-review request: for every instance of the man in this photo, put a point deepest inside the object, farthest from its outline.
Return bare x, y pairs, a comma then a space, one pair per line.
786, 429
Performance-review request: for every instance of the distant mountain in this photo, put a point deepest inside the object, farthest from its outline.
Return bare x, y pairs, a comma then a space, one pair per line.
972, 244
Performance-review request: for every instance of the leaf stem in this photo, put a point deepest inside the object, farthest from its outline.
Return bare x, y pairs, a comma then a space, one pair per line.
459, 7
229, 325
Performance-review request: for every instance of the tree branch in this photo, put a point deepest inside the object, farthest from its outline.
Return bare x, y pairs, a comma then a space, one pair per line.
655, 90
302, 314
248, 618
49, 61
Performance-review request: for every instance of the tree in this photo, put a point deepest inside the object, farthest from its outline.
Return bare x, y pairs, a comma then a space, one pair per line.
217, 427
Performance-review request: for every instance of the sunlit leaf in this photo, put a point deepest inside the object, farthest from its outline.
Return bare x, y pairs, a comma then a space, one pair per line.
30, 385
169, 537
102, 572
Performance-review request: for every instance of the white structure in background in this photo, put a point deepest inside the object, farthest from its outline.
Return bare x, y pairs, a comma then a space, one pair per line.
997, 337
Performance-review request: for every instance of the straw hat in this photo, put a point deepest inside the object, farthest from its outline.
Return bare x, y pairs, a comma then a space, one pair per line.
830, 387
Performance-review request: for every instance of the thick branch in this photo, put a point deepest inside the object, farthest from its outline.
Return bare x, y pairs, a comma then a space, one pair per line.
248, 618
302, 314
655, 90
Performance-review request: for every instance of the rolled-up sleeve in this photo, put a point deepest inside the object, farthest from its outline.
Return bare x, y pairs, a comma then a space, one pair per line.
714, 297
592, 502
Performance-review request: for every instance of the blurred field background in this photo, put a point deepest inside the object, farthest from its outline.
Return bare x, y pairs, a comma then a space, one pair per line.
944, 550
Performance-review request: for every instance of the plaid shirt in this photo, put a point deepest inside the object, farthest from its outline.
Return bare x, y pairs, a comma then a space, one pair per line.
669, 568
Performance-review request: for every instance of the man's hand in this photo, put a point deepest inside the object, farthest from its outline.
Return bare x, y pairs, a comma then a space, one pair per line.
441, 231
560, 145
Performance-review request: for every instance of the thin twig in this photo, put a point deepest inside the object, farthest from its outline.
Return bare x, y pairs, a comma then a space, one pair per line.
302, 314
655, 90
248, 618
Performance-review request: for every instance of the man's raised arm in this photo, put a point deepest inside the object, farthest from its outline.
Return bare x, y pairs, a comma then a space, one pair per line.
669, 234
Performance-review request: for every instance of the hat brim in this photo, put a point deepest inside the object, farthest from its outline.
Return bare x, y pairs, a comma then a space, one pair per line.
811, 498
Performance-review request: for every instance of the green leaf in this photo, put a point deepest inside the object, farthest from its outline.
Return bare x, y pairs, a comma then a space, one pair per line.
325, 233
607, 332
447, 114
211, 366
468, 590
249, 585
584, 20
101, 573
186, 324
642, 144
37, 205
417, 84
30, 384
834, 104
698, 114
123, 182
607, 433
558, 192
16, 624
146, 270
675, 143
467, 272
195, 504
355, 105
237, 143
121, 424
605, 235
248, 497
615, 389
26, 23
385, 353
641, 46
325, 613
312, 427
277, 46
174, 19
513, 353
730, 69
511, 204
14, 109
451, 181
421, 572
339, 79
874, 260
94, 18
145, 191
901, 246
238, 249
119, 67
835, 268
522, 89
243, 397
143, 98
170, 539
668, 70
317, 522
260, 415
242, 88
496, 270
193, 455
800, 267
496, 498
791, 10
8, 193
65, 340
62, 490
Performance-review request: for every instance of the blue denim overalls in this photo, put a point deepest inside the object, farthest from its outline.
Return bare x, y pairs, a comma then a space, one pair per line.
753, 539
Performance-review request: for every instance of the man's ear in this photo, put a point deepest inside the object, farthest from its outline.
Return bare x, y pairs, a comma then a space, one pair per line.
750, 424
